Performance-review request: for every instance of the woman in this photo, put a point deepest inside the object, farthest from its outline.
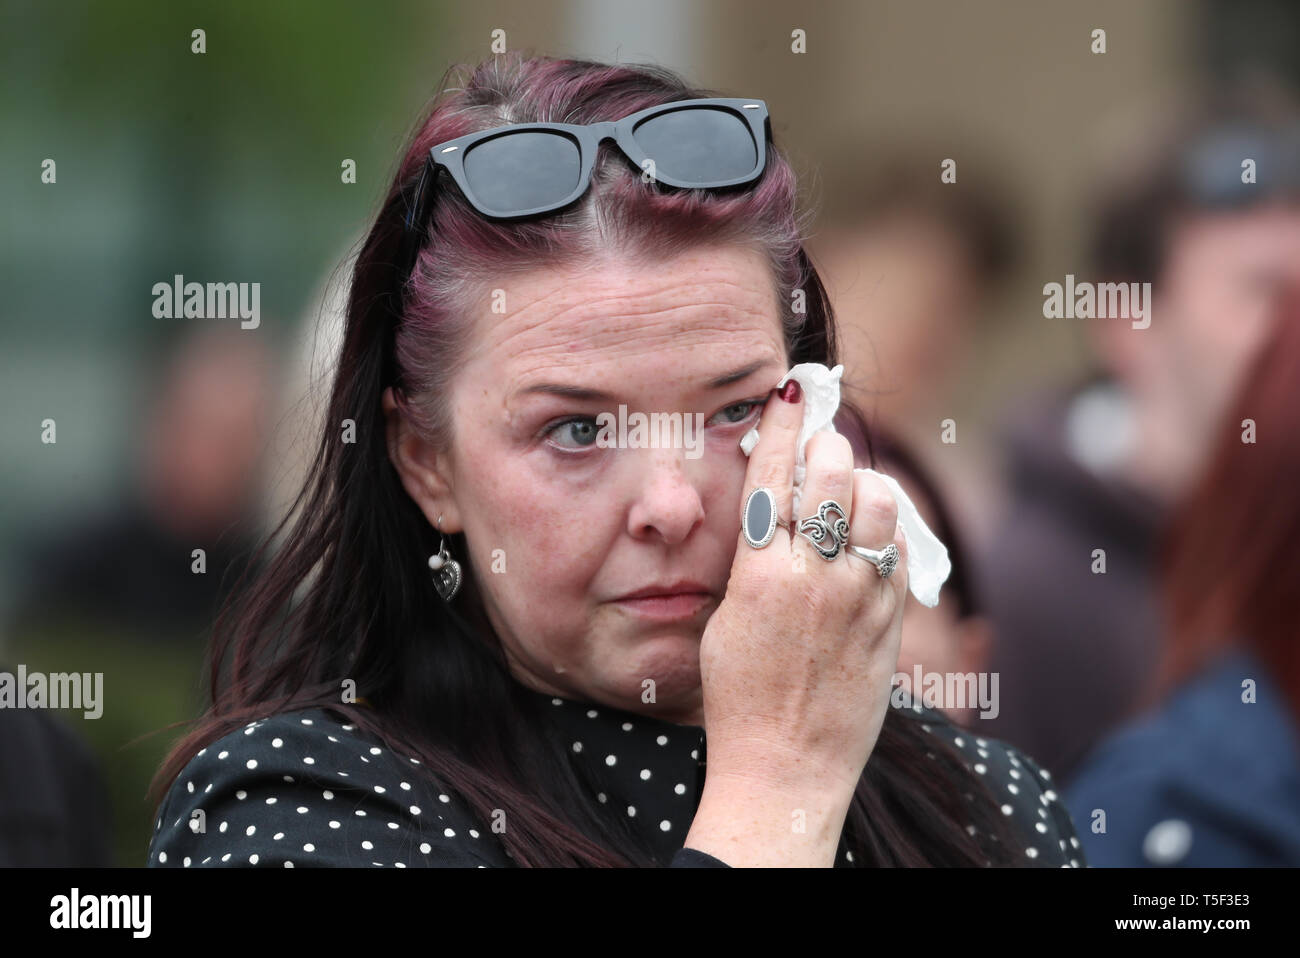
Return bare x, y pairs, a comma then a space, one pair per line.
1209, 776
536, 704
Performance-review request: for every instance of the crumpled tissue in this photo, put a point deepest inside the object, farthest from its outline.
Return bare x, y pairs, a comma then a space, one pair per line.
928, 565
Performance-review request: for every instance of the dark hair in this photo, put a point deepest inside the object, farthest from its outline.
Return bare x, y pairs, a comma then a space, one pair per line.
1189, 160
347, 595
1230, 559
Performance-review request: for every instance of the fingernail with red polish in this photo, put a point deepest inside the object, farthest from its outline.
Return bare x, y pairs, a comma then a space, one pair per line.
790, 392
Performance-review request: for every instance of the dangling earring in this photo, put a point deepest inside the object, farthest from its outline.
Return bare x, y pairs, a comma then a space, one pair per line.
446, 570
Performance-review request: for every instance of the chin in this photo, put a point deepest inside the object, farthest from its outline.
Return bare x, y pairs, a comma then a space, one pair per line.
671, 661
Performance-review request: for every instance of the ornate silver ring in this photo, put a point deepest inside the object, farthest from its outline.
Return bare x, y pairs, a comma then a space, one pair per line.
822, 527
885, 560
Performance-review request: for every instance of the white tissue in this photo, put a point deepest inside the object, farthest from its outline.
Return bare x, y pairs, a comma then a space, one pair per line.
928, 565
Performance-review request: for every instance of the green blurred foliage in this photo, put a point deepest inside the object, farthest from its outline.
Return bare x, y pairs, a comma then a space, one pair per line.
223, 165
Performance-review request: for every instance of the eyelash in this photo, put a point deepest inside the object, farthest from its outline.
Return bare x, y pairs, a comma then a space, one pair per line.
580, 450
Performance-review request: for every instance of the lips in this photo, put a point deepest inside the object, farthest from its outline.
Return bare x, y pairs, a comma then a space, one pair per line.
680, 601
683, 587
678, 607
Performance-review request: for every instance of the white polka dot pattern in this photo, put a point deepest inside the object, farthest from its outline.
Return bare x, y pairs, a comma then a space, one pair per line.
303, 789
1020, 787
306, 789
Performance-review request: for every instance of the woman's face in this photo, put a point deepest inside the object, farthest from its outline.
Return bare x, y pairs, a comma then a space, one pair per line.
560, 528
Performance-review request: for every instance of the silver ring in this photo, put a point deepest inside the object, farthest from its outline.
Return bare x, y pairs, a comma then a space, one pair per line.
885, 560
760, 519
816, 529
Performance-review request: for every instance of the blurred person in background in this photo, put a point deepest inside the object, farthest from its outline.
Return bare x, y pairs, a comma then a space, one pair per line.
116, 592
1210, 775
954, 637
913, 264
1094, 466
195, 486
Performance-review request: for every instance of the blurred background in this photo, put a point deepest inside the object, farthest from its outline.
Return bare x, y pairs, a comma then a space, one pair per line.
1107, 156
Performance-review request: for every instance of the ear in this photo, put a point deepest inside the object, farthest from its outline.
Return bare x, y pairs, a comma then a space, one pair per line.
423, 469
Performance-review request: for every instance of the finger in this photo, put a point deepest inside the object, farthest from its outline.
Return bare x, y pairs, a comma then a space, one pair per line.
771, 463
829, 476
874, 524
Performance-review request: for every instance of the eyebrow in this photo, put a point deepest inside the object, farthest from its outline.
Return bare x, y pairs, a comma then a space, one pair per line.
596, 395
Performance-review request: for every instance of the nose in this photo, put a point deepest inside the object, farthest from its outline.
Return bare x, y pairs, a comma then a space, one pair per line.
667, 504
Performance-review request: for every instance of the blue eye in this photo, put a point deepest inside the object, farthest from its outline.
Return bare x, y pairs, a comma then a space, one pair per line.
583, 431
746, 406
586, 434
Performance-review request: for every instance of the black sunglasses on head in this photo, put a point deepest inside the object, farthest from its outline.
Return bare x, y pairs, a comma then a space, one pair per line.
527, 169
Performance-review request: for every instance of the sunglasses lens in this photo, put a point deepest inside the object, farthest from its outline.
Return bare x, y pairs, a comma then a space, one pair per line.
698, 145
522, 171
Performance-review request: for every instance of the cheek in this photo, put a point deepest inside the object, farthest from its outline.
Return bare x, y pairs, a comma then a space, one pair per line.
533, 527
724, 484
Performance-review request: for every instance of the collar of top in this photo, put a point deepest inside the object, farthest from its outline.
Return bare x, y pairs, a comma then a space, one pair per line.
648, 770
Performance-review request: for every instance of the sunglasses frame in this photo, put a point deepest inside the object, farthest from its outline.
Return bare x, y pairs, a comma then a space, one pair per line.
450, 155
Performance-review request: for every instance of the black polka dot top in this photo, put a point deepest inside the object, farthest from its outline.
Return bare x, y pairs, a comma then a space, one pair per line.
307, 789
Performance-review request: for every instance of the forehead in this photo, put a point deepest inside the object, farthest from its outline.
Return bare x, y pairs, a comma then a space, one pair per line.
703, 307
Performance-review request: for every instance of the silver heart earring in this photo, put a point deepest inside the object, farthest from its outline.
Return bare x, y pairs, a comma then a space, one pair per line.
446, 570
